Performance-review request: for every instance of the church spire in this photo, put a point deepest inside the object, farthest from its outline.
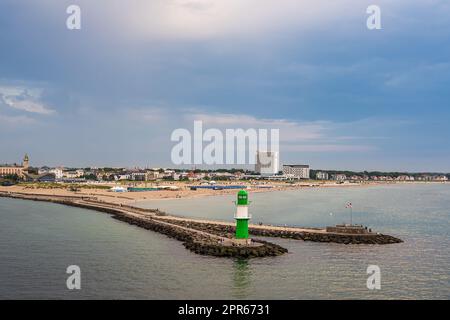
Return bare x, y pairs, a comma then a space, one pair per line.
26, 161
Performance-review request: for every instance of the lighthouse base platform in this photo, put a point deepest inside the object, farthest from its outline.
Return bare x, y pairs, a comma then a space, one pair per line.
243, 242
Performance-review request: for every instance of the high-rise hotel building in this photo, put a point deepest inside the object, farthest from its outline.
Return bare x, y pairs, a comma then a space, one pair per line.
267, 163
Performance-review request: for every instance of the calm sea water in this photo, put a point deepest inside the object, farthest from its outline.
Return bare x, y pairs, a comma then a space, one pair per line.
39, 240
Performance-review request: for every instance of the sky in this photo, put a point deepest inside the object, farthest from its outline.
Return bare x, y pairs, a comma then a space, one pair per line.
111, 93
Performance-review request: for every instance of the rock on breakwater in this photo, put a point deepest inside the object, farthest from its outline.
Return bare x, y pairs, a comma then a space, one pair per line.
227, 230
373, 238
204, 244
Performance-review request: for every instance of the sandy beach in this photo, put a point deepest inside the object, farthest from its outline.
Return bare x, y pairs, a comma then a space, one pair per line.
104, 194
123, 197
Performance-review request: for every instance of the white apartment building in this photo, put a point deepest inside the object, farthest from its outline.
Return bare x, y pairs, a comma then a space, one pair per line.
152, 175
138, 176
320, 175
296, 171
123, 177
339, 177
58, 172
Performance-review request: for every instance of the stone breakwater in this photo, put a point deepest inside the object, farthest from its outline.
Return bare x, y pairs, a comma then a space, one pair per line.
204, 244
210, 237
226, 230
197, 241
373, 238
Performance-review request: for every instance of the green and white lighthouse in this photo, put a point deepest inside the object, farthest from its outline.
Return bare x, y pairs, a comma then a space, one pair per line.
242, 216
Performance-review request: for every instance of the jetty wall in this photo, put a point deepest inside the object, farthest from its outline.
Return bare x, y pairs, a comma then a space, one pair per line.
158, 221
200, 243
224, 230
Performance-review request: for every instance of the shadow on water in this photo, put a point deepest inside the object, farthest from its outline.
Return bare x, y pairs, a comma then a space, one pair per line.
241, 279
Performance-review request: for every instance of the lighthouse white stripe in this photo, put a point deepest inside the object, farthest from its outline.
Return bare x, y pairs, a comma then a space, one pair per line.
242, 212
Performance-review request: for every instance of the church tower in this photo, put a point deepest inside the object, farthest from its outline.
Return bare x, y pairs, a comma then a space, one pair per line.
26, 162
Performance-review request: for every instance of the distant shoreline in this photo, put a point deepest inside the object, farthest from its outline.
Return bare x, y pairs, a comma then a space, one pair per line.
127, 198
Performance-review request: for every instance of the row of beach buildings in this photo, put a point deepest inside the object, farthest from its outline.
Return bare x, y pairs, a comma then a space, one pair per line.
135, 174
288, 172
321, 175
267, 167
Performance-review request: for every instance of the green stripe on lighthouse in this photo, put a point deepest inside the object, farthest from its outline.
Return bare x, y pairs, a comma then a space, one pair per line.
241, 228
